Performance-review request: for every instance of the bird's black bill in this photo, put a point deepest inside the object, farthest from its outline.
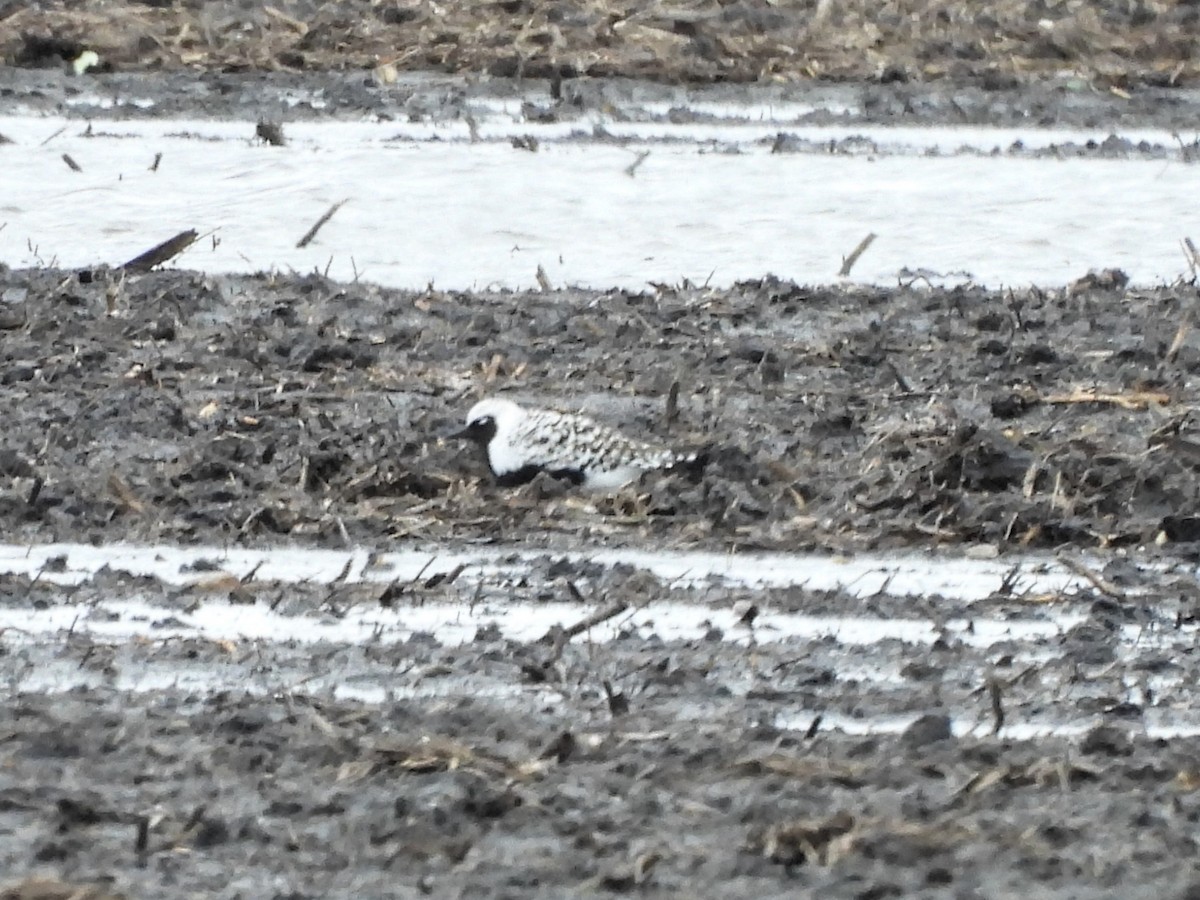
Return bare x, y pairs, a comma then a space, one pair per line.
481, 431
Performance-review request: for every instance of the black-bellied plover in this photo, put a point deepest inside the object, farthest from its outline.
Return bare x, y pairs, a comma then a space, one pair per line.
522, 442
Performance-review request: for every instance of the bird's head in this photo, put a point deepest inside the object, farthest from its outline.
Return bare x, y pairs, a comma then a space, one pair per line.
487, 417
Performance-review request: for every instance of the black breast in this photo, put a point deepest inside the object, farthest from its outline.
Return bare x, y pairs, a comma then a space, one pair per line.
526, 474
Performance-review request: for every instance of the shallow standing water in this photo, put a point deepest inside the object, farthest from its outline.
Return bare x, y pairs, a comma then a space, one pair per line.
880, 610
710, 203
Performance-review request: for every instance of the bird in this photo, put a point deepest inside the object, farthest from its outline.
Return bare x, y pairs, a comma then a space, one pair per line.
522, 442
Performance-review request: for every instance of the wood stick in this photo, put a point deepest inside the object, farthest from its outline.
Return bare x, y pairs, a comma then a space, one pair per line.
124, 493
849, 261
71, 164
1189, 253
1097, 580
296, 25
1181, 333
632, 168
1130, 400
160, 253
53, 136
1182, 447
602, 615
994, 692
312, 232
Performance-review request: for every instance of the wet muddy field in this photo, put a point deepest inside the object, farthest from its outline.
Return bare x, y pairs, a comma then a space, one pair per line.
557, 723
734, 764
181, 407
671, 784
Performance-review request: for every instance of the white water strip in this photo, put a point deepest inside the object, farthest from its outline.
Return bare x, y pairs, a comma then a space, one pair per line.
423, 209
915, 574
58, 676
1159, 724
125, 616
57, 679
731, 124
118, 620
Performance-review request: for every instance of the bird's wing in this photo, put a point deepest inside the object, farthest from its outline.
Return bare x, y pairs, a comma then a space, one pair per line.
564, 440
556, 440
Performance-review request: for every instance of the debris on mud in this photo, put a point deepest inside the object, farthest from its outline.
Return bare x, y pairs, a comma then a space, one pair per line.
156, 759
211, 408
1120, 46
334, 799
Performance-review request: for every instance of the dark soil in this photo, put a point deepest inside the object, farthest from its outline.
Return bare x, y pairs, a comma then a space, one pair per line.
234, 796
185, 407
1086, 65
1113, 44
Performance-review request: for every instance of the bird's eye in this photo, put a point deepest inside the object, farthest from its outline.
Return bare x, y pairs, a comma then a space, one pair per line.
483, 420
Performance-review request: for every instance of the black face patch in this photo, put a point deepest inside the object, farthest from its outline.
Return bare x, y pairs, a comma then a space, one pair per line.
526, 474
480, 430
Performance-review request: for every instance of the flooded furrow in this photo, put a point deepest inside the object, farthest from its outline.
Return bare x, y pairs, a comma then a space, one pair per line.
613, 205
844, 643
